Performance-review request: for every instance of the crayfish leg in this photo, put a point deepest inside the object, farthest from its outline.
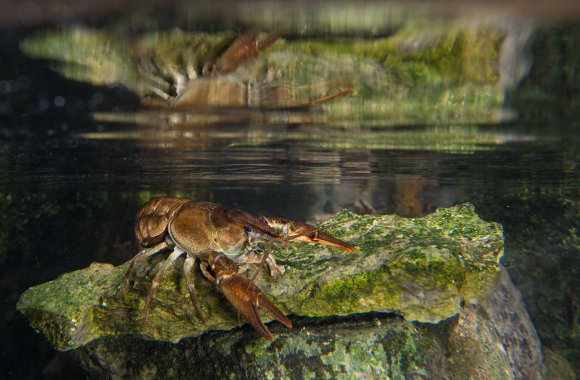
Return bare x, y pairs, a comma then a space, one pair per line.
261, 258
140, 256
164, 265
187, 271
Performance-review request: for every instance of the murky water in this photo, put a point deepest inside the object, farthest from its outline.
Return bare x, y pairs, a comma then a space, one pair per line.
72, 180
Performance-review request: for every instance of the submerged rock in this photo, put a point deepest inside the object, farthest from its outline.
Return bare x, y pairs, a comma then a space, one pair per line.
475, 344
368, 346
422, 269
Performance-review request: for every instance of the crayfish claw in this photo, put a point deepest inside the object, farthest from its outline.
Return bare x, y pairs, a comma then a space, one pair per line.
294, 230
243, 294
264, 302
246, 298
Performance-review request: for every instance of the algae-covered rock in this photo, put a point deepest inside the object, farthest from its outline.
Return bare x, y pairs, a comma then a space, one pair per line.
471, 345
422, 269
371, 346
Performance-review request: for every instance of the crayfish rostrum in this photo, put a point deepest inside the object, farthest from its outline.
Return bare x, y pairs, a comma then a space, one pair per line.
224, 240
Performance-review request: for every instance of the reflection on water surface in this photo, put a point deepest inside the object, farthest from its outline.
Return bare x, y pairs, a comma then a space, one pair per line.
436, 114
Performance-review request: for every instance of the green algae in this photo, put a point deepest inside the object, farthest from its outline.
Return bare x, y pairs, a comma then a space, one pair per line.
420, 268
430, 261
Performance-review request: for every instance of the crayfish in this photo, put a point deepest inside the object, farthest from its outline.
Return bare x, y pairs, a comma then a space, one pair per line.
223, 240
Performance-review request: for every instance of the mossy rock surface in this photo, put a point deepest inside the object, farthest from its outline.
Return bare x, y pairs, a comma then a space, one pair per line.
366, 346
421, 268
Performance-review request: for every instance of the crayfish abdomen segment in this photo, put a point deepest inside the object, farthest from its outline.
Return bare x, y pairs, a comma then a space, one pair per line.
153, 219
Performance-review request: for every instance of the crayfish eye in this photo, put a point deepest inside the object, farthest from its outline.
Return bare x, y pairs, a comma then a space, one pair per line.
248, 229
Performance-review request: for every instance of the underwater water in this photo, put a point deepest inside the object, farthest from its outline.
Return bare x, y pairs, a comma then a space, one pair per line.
78, 156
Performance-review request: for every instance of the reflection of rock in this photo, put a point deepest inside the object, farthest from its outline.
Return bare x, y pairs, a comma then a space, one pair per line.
423, 268
422, 73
